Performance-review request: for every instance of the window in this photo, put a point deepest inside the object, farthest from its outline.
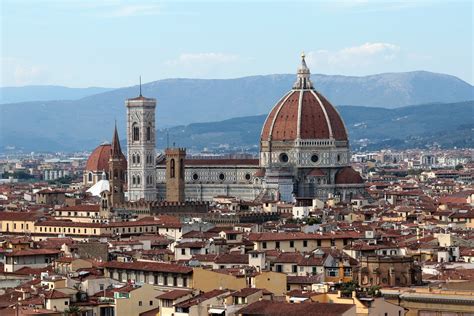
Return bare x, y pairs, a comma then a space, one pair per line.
292, 244
138, 179
315, 158
195, 176
134, 160
165, 280
347, 272
279, 268
181, 169
333, 242
283, 158
140, 303
172, 168
185, 282
277, 244
175, 281
247, 176
264, 245
151, 303
133, 180
183, 251
148, 133
138, 159
89, 177
332, 272
305, 243
221, 177
136, 133
319, 242
294, 268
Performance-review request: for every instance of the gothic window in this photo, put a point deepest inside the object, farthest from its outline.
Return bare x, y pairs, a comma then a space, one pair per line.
134, 160
148, 133
136, 133
138, 180
172, 168
138, 159
133, 180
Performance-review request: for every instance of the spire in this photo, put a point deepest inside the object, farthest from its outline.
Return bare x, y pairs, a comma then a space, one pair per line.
116, 150
303, 80
140, 85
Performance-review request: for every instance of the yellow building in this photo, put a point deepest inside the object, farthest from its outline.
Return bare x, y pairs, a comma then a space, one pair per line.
427, 301
300, 241
136, 301
208, 280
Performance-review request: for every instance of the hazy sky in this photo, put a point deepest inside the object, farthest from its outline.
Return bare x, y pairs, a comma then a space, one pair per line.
110, 43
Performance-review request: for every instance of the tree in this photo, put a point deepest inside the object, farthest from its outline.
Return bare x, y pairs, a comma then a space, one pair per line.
72, 311
348, 287
374, 290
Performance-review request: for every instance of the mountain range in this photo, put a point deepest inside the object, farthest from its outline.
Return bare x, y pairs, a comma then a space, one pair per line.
81, 124
45, 93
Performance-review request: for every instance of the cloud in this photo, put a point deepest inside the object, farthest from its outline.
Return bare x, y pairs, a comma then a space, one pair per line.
356, 57
17, 72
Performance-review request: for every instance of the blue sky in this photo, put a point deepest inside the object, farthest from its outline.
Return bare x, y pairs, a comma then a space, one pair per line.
111, 42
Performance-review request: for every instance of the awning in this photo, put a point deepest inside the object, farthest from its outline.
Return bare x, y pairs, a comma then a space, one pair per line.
216, 311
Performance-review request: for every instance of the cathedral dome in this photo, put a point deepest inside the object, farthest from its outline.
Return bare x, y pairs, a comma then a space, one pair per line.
99, 159
303, 113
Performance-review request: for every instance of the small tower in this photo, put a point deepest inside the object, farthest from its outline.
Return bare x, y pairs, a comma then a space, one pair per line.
141, 148
175, 173
117, 171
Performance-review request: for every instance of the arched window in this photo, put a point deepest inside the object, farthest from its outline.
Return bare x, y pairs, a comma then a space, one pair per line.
134, 160
172, 168
89, 177
133, 180
136, 133
138, 179
148, 133
138, 159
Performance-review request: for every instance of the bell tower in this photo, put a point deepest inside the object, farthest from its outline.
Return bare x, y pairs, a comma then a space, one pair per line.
141, 148
117, 171
175, 173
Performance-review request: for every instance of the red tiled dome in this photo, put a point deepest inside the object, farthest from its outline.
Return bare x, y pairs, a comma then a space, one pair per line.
99, 159
303, 113
347, 175
318, 120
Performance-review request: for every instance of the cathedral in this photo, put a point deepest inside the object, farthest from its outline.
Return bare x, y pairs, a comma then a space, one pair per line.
304, 154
